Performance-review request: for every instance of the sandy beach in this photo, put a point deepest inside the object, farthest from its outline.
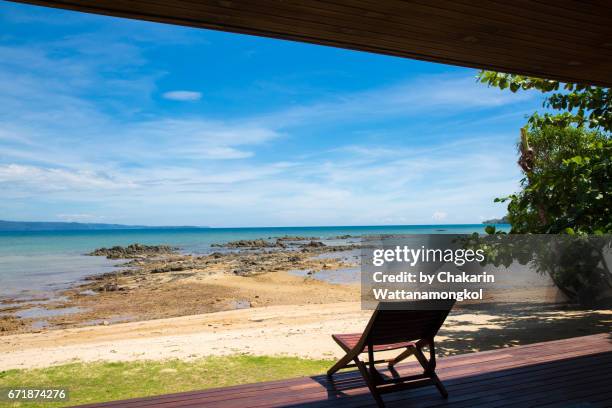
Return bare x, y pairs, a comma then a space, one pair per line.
154, 285
258, 298
298, 330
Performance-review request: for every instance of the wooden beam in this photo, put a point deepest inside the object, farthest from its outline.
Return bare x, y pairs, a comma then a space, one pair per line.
568, 40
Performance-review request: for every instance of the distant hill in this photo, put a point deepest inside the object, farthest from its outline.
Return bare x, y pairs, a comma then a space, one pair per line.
73, 226
502, 220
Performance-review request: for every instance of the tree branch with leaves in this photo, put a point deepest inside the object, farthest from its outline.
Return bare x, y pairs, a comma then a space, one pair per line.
576, 104
565, 155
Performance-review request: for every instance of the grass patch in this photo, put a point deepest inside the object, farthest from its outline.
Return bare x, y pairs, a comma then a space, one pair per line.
105, 381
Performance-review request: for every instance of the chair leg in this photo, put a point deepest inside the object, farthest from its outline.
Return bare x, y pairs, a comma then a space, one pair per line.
340, 364
374, 374
369, 382
439, 384
429, 366
422, 359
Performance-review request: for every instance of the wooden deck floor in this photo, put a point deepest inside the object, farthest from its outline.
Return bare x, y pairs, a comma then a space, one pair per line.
575, 372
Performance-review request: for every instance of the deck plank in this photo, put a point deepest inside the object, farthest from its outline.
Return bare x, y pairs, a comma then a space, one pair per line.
550, 373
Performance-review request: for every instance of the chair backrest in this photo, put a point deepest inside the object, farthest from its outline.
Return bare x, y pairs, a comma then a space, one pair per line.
409, 321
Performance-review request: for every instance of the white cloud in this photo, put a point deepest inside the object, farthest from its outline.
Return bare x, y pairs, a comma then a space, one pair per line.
183, 95
347, 191
189, 139
431, 94
192, 130
80, 217
42, 179
224, 153
439, 215
60, 146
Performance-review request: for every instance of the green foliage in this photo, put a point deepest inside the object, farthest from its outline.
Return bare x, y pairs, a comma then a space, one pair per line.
569, 189
577, 104
576, 263
566, 187
96, 382
567, 169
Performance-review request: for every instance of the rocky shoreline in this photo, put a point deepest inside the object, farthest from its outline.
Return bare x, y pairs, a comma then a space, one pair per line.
254, 257
272, 242
158, 281
133, 251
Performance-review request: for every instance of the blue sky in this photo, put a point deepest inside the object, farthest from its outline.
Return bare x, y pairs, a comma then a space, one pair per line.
113, 120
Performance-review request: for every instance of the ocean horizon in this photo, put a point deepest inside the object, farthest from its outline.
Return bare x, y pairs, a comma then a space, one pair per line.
35, 263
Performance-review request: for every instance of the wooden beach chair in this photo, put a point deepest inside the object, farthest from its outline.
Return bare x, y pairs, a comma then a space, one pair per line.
411, 328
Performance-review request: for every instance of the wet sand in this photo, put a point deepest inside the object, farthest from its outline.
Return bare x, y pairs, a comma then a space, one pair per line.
157, 286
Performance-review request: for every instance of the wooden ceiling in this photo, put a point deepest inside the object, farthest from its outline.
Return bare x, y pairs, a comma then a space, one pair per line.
569, 40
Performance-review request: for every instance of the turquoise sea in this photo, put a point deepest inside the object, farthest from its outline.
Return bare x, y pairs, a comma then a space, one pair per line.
36, 263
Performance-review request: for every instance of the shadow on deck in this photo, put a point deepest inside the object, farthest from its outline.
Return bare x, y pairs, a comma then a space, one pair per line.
574, 372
